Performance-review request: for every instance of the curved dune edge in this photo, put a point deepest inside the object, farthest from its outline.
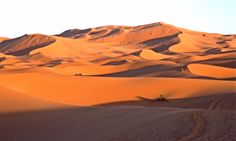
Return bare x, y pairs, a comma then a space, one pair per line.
14, 101
212, 71
109, 69
81, 48
193, 41
87, 91
152, 55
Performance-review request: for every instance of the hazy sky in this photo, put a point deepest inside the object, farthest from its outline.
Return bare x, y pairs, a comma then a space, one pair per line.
54, 16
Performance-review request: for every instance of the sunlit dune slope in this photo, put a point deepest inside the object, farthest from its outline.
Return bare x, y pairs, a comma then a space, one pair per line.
77, 90
17, 101
82, 49
212, 71
192, 41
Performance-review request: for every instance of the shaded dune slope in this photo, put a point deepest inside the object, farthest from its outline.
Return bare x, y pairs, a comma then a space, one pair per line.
24, 44
215, 121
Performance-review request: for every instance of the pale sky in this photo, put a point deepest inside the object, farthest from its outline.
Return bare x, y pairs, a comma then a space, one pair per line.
19, 17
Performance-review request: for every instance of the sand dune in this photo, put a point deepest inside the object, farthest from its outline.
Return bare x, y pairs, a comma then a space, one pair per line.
109, 54
212, 71
198, 42
117, 49
87, 91
123, 34
82, 49
118, 73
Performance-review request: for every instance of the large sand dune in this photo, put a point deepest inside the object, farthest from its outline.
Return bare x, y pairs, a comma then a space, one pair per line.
87, 91
42, 77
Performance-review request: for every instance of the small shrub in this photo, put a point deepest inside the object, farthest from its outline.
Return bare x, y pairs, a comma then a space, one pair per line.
162, 98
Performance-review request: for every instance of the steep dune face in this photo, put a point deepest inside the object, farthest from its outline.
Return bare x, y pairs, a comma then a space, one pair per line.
24, 44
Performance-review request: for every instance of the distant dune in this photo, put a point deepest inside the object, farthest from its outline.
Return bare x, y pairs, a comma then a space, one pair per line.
119, 73
166, 58
23, 45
